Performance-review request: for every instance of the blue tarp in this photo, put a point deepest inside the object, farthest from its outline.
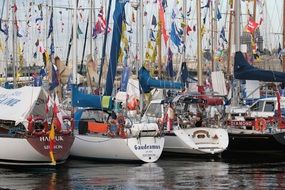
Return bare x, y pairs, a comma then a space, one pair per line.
244, 71
147, 82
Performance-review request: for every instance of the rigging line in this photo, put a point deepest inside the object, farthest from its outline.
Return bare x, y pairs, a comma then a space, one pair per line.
84, 45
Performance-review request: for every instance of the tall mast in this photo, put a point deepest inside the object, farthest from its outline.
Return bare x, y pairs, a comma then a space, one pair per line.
74, 44
254, 10
283, 34
14, 43
199, 44
184, 6
230, 41
159, 45
236, 91
237, 25
90, 24
137, 38
214, 7
141, 34
7, 42
105, 42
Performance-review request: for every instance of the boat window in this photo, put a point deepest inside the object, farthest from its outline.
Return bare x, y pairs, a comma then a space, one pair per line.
154, 110
258, 106
269, 107
97, 115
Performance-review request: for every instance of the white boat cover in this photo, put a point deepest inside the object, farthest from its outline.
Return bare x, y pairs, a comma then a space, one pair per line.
17, 104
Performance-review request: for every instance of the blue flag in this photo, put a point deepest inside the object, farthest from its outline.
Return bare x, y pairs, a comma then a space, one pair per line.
223, 35
54, 80
50, 30
219, 16
169, 67
125, 79
174, 36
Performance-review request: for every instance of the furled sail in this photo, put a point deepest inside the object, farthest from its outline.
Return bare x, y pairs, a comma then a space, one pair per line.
244, 71
147, 82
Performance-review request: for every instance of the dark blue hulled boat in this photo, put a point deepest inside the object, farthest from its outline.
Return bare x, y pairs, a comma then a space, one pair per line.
258, 128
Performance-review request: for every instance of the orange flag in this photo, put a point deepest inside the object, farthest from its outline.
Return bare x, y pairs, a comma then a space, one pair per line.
162, 21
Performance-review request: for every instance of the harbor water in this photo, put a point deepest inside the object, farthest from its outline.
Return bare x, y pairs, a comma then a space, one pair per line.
168, 173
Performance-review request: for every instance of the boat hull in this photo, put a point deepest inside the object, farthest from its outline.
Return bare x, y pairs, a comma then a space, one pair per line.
33, 150
146, 149
256, 143
200, 140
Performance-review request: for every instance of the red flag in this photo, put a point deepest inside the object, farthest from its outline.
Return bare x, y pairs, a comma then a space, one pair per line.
251, 26
162, 20
189, 29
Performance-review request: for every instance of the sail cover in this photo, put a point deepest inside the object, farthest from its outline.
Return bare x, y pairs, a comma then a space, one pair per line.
17, 104
80, 99
147, 82
244, 71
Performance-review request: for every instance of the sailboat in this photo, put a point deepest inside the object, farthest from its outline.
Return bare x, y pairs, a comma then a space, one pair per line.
100, 134
259, 128
186, 137
26, 129
31, 133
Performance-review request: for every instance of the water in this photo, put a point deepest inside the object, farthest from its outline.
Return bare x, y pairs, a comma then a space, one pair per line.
168, 173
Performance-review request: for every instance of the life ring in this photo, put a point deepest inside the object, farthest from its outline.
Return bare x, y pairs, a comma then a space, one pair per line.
260, 124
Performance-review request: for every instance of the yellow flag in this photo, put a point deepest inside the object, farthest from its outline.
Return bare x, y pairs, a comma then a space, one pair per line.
183, 24
51, 144
154, 54
147, 56
121, 53
124, 27
149, 45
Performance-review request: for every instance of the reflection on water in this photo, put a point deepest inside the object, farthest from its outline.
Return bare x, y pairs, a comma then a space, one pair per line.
168, 173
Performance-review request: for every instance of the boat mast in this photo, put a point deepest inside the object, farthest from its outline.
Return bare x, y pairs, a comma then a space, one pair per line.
237, 25
74, 44
91, 27
236, 91
199, 47
213, 31
230, 41
141, 49
104, 43
14, 43
184, 6
283, 35
7, 42
159, 45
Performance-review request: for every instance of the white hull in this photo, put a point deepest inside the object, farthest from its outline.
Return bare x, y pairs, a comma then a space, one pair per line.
18, 151
147, 149
201, 140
